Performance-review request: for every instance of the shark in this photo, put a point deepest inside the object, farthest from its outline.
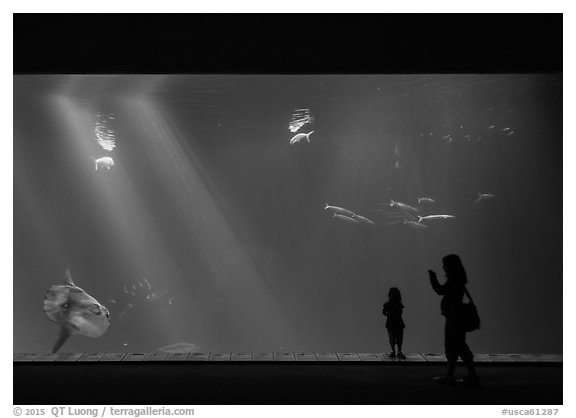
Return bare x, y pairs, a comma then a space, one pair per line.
75, 311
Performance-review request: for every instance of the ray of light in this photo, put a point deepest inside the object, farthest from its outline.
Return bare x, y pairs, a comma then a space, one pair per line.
253, 313
138, 241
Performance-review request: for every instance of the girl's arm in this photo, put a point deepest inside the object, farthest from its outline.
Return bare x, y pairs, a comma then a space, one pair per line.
385, 309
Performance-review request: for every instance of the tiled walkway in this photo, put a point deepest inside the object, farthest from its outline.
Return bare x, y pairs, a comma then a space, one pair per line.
421, 358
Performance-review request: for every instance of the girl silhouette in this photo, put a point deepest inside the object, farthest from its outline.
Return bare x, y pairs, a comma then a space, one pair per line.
394, 323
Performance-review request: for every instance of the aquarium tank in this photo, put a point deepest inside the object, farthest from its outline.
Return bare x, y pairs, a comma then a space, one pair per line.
271, 213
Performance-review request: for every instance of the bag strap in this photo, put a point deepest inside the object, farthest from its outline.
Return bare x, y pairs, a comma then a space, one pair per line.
468, 295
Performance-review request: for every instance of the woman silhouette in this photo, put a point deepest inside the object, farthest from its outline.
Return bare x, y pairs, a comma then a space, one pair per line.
455, 346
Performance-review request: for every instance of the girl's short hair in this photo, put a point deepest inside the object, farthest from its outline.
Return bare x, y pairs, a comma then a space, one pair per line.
394, 294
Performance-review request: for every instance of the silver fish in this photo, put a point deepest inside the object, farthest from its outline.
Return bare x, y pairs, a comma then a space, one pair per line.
299, 119
425, 199
339, 210
75, 311
295, 126
434, 217
345, 218
104, 162
484, 196
363, 219
180, 348
300, 137
107, 144
402, 206
413, 224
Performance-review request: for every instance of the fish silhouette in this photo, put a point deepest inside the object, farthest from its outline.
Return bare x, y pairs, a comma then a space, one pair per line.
402, 206
425, 199
182, 347
414, 224
363, 219
339, 210
300, 137
104, 162
345, 218
484, 196
75, 311
434, 217
300, 118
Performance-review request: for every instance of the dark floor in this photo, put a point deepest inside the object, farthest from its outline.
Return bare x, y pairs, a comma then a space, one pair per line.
279, 383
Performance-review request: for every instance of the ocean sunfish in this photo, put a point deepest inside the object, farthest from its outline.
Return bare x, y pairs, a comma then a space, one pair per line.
75, 311
300, 137
104, 162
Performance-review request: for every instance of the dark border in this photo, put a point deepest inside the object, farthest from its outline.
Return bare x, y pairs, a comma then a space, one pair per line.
278, 383
287, 43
